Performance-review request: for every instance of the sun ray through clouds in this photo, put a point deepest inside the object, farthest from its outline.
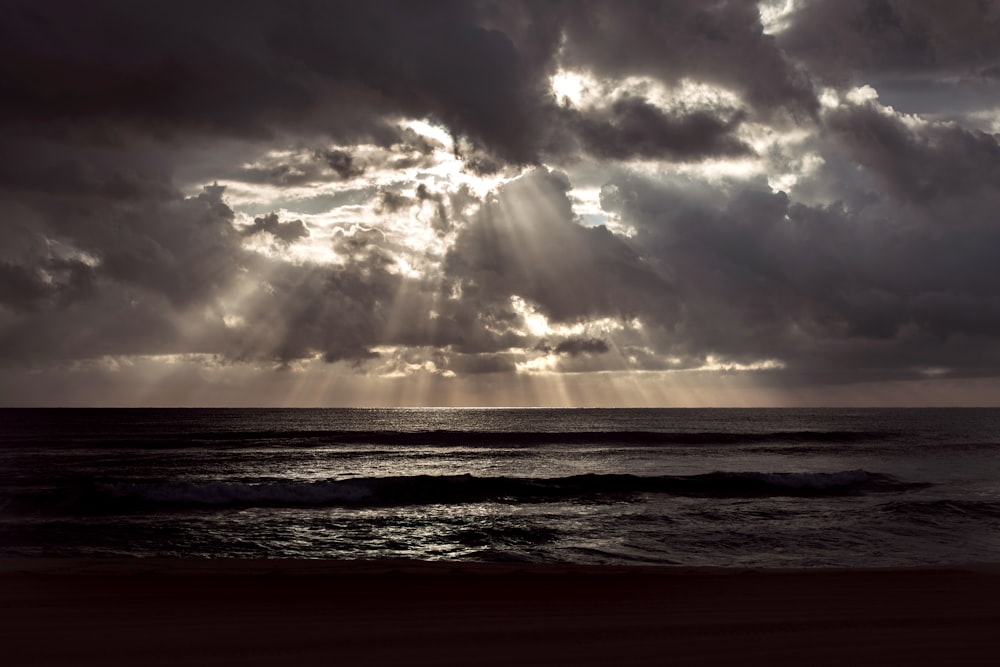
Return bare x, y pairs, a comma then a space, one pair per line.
730, 202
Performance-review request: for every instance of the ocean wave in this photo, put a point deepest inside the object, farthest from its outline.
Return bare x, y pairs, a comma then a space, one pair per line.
121, 496
944, 510
465, 438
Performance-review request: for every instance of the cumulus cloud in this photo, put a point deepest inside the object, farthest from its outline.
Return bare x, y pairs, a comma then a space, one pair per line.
919, 162
285, 232
826, 289
722, 43
342, 163
633, 128
842, 38
574, 347
401, 194
526, 242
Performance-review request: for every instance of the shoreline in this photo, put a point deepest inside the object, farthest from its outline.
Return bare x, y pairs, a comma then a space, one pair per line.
180, 565
98, 611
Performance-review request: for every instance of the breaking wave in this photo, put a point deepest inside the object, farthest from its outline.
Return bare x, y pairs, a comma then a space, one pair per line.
456, 489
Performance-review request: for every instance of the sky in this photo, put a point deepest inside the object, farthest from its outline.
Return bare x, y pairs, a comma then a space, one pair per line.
529, 203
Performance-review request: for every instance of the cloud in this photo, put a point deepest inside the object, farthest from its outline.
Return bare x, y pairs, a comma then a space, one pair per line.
918, 163
842, 38
51, 280
721, 43
342, 163
825, 289
404, 195
633, 128
526, 242
574, 347
285, 232
305, 311
481, 71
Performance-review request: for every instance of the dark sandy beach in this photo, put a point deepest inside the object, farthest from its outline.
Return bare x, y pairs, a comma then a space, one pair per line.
231, 612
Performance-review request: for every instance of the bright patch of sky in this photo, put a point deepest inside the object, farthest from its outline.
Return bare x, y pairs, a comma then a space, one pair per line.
775, 14
537, 324
583, 90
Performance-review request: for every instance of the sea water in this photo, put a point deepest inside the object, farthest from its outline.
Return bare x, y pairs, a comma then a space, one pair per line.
743, 488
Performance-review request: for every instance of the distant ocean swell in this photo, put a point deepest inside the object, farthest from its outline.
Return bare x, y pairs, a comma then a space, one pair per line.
111, 497
945, 511
473, 438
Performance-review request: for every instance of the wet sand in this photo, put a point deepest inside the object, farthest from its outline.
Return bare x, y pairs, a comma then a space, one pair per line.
232, 612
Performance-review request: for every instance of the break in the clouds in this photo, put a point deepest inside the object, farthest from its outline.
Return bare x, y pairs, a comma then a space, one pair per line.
781, 202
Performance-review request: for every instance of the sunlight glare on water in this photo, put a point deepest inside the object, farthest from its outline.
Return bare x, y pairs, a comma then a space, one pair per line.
789, 488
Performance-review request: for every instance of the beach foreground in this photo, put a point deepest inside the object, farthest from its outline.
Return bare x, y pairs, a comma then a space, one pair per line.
266, 612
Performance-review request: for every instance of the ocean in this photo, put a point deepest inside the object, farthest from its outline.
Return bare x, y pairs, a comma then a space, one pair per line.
713, 487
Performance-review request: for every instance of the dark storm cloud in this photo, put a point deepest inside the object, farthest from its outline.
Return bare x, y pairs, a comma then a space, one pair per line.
527, 243
919, 164
159, 267
90, 74
391, 201
342, 163
20, 287
924, 57
720, 42
436, 200
574, 347
41, 168
51, 281
991, 72
841, 38
830, 291
462, 329
110, 277
889, 267
634, 128
947, 99
285, 232
112, 321
476, 364
183, 249
333, 311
